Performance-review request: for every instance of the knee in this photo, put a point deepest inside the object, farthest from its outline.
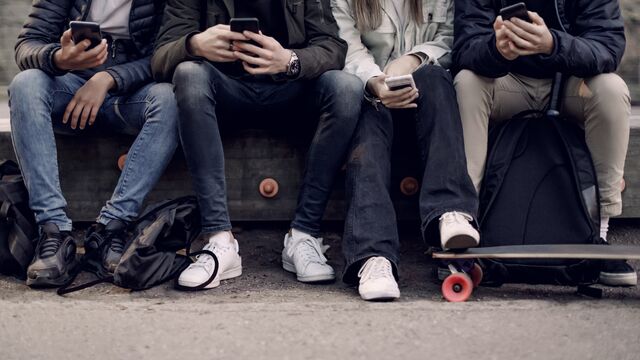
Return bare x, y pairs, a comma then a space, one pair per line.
345, 90
161, 99
432, 76
191, 76
467, 80
609, 86
29, 83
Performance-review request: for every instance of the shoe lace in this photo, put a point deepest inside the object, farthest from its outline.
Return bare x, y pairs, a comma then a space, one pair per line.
376, 268
50, 244
455, 217
118, 242
308, 249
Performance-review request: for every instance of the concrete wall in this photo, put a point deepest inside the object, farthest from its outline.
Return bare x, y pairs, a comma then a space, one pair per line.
13, 14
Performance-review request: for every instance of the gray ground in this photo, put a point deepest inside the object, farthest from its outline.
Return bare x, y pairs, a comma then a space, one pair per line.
267, 314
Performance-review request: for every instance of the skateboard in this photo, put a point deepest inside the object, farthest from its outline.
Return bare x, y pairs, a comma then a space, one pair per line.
466, 273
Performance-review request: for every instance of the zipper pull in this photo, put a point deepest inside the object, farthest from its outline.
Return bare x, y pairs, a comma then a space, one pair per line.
113, 50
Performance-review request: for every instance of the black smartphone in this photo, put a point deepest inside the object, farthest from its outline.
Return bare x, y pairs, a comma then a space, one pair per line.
245, 24
82, 30
518, 10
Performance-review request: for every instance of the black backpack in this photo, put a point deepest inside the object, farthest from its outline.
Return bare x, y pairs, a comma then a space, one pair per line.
539, 187
151, 256
18, 230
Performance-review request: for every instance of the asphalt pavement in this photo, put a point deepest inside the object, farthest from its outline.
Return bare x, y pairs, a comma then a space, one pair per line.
266, 314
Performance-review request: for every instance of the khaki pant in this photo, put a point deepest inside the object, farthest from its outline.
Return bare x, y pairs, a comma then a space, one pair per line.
600, 104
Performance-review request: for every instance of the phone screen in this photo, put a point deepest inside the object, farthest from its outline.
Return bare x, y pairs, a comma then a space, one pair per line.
82, 30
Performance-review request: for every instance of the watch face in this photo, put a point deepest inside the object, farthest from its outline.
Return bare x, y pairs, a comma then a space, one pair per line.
295, 67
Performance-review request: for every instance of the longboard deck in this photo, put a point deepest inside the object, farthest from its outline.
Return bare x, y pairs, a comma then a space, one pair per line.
582, 251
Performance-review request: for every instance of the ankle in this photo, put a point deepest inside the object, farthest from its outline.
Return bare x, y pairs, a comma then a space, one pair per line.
222, 237
604, 227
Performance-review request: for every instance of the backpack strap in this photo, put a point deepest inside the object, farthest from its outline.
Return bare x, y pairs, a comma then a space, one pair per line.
66, 288
211, 278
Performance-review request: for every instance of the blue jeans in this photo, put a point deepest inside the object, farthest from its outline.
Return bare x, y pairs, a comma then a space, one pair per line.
204, 92
370, 226
37, 102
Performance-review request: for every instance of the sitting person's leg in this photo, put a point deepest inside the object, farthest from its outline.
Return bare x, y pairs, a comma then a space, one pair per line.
200, 88
336, 96
152, 114
36, 98
370, 242
603, 104
447, 192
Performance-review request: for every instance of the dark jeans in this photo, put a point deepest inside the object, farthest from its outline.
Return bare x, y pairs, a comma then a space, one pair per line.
370, 228
204, 92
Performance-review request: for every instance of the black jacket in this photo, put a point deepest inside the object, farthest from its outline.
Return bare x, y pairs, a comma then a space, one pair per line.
312, 32
40, 38
593, 44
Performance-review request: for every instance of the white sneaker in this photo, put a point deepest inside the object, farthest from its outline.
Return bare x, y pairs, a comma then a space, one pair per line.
303, 255
230, 264
377, 281
456, 231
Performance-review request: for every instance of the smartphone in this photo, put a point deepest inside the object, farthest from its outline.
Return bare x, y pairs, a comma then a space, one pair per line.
400, 82
518, 10
245, 24
82, 30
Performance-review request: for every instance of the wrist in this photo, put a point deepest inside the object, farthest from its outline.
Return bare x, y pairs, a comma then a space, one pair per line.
58, 62
193, 45
372, 86
105, 79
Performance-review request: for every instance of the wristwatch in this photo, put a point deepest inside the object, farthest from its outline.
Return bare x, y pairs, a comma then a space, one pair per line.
293, 68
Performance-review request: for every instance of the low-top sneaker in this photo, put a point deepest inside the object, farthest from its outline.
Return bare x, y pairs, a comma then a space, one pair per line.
303, 255
54, 260
229, 264
456, 231
618, 273
106, 243
377, 281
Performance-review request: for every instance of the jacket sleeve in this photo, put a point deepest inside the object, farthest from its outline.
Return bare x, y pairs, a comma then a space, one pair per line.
40, 35
599, 47
325, 50
131, 76
474, 46
359, 60
181, 20
438, 50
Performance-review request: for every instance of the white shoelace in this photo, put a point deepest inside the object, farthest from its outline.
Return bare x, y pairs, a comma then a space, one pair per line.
375, 268
456, 217
309, 249
205, 261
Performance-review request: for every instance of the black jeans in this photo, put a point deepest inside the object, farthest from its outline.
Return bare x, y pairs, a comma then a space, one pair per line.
370, 228
201, 90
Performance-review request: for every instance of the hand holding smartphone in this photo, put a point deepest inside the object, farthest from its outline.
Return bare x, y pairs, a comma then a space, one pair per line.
518, 10
83, 30
399, 82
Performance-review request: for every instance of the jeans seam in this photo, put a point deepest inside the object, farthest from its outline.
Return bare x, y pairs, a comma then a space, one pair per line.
132, 155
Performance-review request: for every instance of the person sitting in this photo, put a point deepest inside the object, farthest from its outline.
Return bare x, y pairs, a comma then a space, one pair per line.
221, 76
68, 88
506, 66
388, 39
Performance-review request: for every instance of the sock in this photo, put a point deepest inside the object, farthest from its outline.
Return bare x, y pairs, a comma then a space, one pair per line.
604, 227
222, 237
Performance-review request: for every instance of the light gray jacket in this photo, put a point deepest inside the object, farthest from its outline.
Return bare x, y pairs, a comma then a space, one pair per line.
370, 52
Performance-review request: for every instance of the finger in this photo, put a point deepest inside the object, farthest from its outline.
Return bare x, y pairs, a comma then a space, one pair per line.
254, 70
65, 39
497, 25
518, 41
84, 116
518, 51
528, 27
75, 116
232, 36
68, 110
520, 31
405, 102
96, 51
245, 46
226, 55
535, 18
251, 59
221, 27
259, 38
399, 92
93, 115
403, 99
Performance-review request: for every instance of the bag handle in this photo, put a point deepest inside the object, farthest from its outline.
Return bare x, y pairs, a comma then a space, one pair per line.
211, 278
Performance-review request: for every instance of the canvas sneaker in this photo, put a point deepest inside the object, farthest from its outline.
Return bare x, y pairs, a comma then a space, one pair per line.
54, 260
618, 273
303, 255
377, 281
456, 231
229, 266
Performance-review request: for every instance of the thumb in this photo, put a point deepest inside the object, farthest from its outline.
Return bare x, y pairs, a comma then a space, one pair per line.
65, 40
497, 25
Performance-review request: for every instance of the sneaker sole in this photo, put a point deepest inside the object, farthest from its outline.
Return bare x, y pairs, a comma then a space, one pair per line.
229, 274
45, 282
307, 279
381, 295
460, 242
616, 279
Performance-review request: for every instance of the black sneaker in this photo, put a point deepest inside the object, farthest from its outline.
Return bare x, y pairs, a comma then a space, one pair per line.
54, 260
111, 238
618, 273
